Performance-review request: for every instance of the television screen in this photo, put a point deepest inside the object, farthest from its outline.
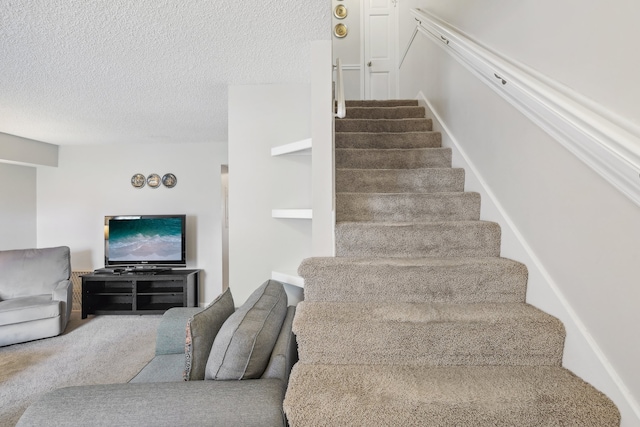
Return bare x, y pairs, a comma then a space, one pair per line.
145, 239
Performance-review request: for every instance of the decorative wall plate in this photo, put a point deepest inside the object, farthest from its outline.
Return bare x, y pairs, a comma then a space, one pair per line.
138, 180
340, 30
153, 180
340, 11
169, 180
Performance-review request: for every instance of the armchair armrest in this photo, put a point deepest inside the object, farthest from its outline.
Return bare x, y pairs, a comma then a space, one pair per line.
64, 292
172, 330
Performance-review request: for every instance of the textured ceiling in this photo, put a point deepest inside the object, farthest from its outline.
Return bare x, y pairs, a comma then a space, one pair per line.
144, 71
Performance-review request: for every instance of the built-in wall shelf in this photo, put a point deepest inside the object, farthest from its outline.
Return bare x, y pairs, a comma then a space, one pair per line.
289, 277
292, 213
302, 147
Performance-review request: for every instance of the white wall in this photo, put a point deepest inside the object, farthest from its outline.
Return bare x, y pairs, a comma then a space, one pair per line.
17, 207
93, 181
579, 236
262, 117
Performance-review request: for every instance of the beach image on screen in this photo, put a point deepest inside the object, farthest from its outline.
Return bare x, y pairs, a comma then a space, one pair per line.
145, 239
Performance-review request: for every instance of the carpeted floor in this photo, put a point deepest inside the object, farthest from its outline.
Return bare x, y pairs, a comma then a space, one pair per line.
97, 350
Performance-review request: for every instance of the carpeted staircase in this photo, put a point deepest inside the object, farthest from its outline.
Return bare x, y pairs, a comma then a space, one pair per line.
418, 321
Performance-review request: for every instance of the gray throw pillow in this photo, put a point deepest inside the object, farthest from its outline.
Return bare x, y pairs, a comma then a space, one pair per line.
242, 348
202, 328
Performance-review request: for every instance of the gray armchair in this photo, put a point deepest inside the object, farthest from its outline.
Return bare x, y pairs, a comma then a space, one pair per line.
35, 293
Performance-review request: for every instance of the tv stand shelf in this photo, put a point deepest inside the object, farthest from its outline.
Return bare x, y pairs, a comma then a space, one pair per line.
139, 293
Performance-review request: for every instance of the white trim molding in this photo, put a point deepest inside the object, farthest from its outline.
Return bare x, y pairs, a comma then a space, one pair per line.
606, 142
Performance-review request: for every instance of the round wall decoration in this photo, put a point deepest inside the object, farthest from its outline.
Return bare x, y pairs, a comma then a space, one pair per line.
340, 11
153, 180
340, 30
169, 180
138, 180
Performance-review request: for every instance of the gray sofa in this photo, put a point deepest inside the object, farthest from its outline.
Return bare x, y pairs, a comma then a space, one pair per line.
159, 395
35, 293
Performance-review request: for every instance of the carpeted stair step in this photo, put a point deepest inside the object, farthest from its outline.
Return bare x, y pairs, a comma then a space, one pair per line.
431, 239
396, 112
481, 396
428, 180
381, 103
405, 207
393, 158
383, 125
440, 280
388, 140
433, 334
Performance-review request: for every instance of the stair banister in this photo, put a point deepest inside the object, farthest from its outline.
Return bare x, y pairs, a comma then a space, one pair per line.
410, 43
341, 104
603, 140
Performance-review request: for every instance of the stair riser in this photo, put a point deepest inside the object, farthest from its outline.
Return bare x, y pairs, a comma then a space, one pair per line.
393, 159
438, 239
399, 180
331, 395
443, 281
403, 112
383, 125
381, 103
407, 207
388, 140
433, 344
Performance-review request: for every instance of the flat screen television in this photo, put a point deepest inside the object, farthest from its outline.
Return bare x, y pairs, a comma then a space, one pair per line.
145, 240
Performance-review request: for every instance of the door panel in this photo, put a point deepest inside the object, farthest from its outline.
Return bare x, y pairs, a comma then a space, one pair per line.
379, 44
379, 6
379, 37
379, 86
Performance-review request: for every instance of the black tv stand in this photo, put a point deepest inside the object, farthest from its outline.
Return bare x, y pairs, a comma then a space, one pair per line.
133, 293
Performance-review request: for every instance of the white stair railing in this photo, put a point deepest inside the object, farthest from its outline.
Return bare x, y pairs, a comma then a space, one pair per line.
605, 141
341, 108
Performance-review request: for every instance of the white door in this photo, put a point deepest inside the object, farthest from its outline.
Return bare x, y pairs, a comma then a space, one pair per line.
379, 44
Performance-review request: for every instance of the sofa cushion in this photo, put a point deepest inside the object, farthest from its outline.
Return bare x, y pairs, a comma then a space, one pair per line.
26, 309
285, 351
202, 328
27, 272
163, 368
243, 346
